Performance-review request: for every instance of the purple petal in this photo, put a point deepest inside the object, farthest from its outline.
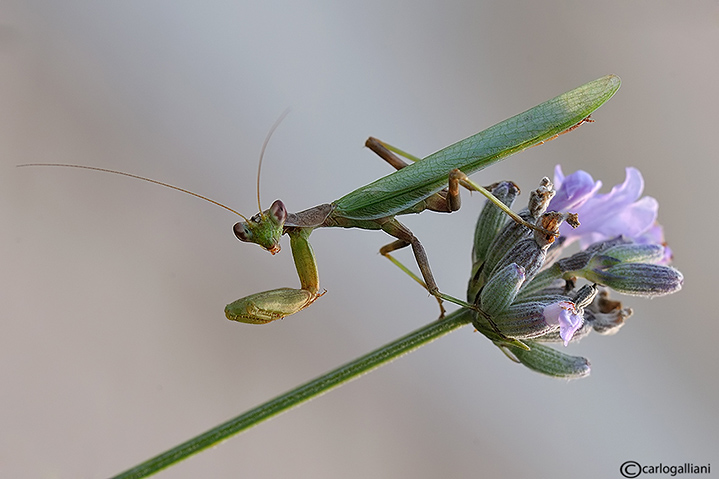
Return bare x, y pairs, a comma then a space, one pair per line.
603, 216
566, 316
572, 190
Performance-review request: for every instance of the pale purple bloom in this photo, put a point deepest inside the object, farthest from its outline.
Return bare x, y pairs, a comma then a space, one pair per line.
604, 216
565, 314
573, 190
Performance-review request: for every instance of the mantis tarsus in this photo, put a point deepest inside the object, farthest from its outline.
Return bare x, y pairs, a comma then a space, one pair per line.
411, 189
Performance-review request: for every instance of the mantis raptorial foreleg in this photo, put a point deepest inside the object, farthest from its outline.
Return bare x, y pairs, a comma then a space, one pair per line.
261, 308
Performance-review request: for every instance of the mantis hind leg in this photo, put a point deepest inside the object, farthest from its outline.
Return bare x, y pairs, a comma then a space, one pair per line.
447, 200
379, 148
265, 307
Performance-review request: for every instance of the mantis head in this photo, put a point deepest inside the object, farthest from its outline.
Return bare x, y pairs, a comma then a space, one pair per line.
265, 228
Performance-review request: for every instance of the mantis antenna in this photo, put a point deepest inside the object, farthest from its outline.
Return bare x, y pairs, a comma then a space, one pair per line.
177, 188
115, 172
262, 155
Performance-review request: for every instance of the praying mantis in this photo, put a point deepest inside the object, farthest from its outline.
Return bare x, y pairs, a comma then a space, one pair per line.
411, 189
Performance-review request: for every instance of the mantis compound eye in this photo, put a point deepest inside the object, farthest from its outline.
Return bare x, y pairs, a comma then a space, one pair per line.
278, 212
242, 232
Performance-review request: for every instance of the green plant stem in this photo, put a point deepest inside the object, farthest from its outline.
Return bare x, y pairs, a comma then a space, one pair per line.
300, 394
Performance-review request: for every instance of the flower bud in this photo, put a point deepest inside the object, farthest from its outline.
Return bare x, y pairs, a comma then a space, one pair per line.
505, 240
525, 253
491, 219
551, 362
636, 253
501, 289
545, 279
639, 279
525, 320
580, 260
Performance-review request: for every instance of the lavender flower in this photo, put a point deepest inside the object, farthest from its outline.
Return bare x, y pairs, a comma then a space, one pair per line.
604, 216
566, 316
530, 294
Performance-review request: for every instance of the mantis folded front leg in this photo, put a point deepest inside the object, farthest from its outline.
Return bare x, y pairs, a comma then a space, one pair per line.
411, 189
270, 305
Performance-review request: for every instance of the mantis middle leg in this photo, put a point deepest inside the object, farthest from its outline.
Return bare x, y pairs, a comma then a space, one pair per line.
405, 238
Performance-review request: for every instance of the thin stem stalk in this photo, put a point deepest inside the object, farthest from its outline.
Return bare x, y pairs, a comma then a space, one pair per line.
300, 394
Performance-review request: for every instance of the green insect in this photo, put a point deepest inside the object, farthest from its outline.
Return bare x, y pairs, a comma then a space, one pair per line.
411, 189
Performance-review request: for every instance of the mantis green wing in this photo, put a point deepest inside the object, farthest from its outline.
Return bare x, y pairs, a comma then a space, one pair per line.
392, 194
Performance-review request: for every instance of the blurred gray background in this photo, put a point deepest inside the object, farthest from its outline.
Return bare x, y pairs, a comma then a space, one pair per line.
113, 343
